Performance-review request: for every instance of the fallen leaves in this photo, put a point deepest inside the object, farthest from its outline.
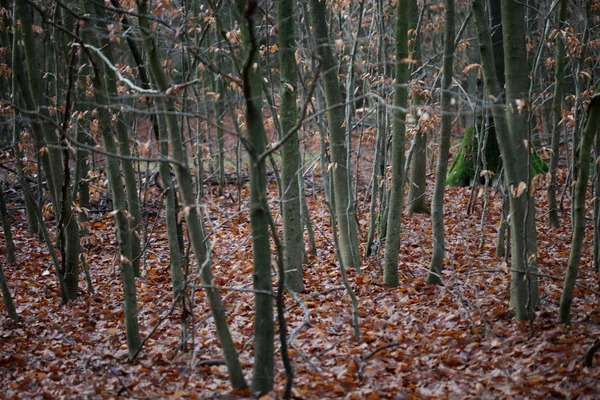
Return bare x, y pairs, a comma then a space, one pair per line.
453, 341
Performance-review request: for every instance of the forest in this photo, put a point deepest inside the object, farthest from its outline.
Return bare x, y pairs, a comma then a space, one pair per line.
356, 199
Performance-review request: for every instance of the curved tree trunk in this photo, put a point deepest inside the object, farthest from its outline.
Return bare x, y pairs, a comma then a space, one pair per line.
591, 126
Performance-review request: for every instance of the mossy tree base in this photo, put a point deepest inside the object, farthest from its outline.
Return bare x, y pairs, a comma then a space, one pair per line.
462, 171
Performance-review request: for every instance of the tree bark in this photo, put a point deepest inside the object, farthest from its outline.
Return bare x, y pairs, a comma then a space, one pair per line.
344, 207
524, 295
437, 202
120, 213
417, 181
52, 162
262, 379
6, 297
524, 279
293, 240
591, 126
396, 200
133, 203
8, 239
561, 63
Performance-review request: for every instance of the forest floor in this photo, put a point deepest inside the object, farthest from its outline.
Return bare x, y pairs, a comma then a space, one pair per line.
459, 340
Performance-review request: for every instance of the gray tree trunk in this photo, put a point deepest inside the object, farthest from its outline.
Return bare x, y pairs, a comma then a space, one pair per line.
589, 133
396, 201
437, 202
293, 238
561, 63
262, 379
524, 279
524, 292
120, 213
8, 238
133, 204
174, 230
417, 181
344, 207
6, 297
48, 147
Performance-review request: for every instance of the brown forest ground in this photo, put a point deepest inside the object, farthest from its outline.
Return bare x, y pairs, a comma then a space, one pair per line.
457, 341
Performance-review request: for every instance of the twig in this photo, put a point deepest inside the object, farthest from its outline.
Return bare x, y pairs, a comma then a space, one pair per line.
589, 355
363, 360
158, 323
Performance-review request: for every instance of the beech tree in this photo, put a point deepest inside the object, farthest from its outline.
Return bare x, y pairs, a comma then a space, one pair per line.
396, 201
514, 147
437, 203
342, 183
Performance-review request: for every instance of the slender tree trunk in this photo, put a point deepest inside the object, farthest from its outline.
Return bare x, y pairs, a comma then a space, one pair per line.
52, 162
344, 207
417, 181
133, 204
262, 379
6, 297
8, 43
379, 164
219, 112
583, 172
524, 279
396, 201
8, 238
120, 213
174, 229
189, 203
524, 295
293, 240
561, 64
437, 202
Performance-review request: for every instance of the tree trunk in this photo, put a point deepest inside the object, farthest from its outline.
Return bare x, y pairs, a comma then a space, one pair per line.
6, 297
293, 240
120, 213
133, 204
52, 162
8, 239
437, 202
591, 126
561, 64
524, 294
396, 201
344, 207
417, 181
262, 379
174, 229
524, 279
